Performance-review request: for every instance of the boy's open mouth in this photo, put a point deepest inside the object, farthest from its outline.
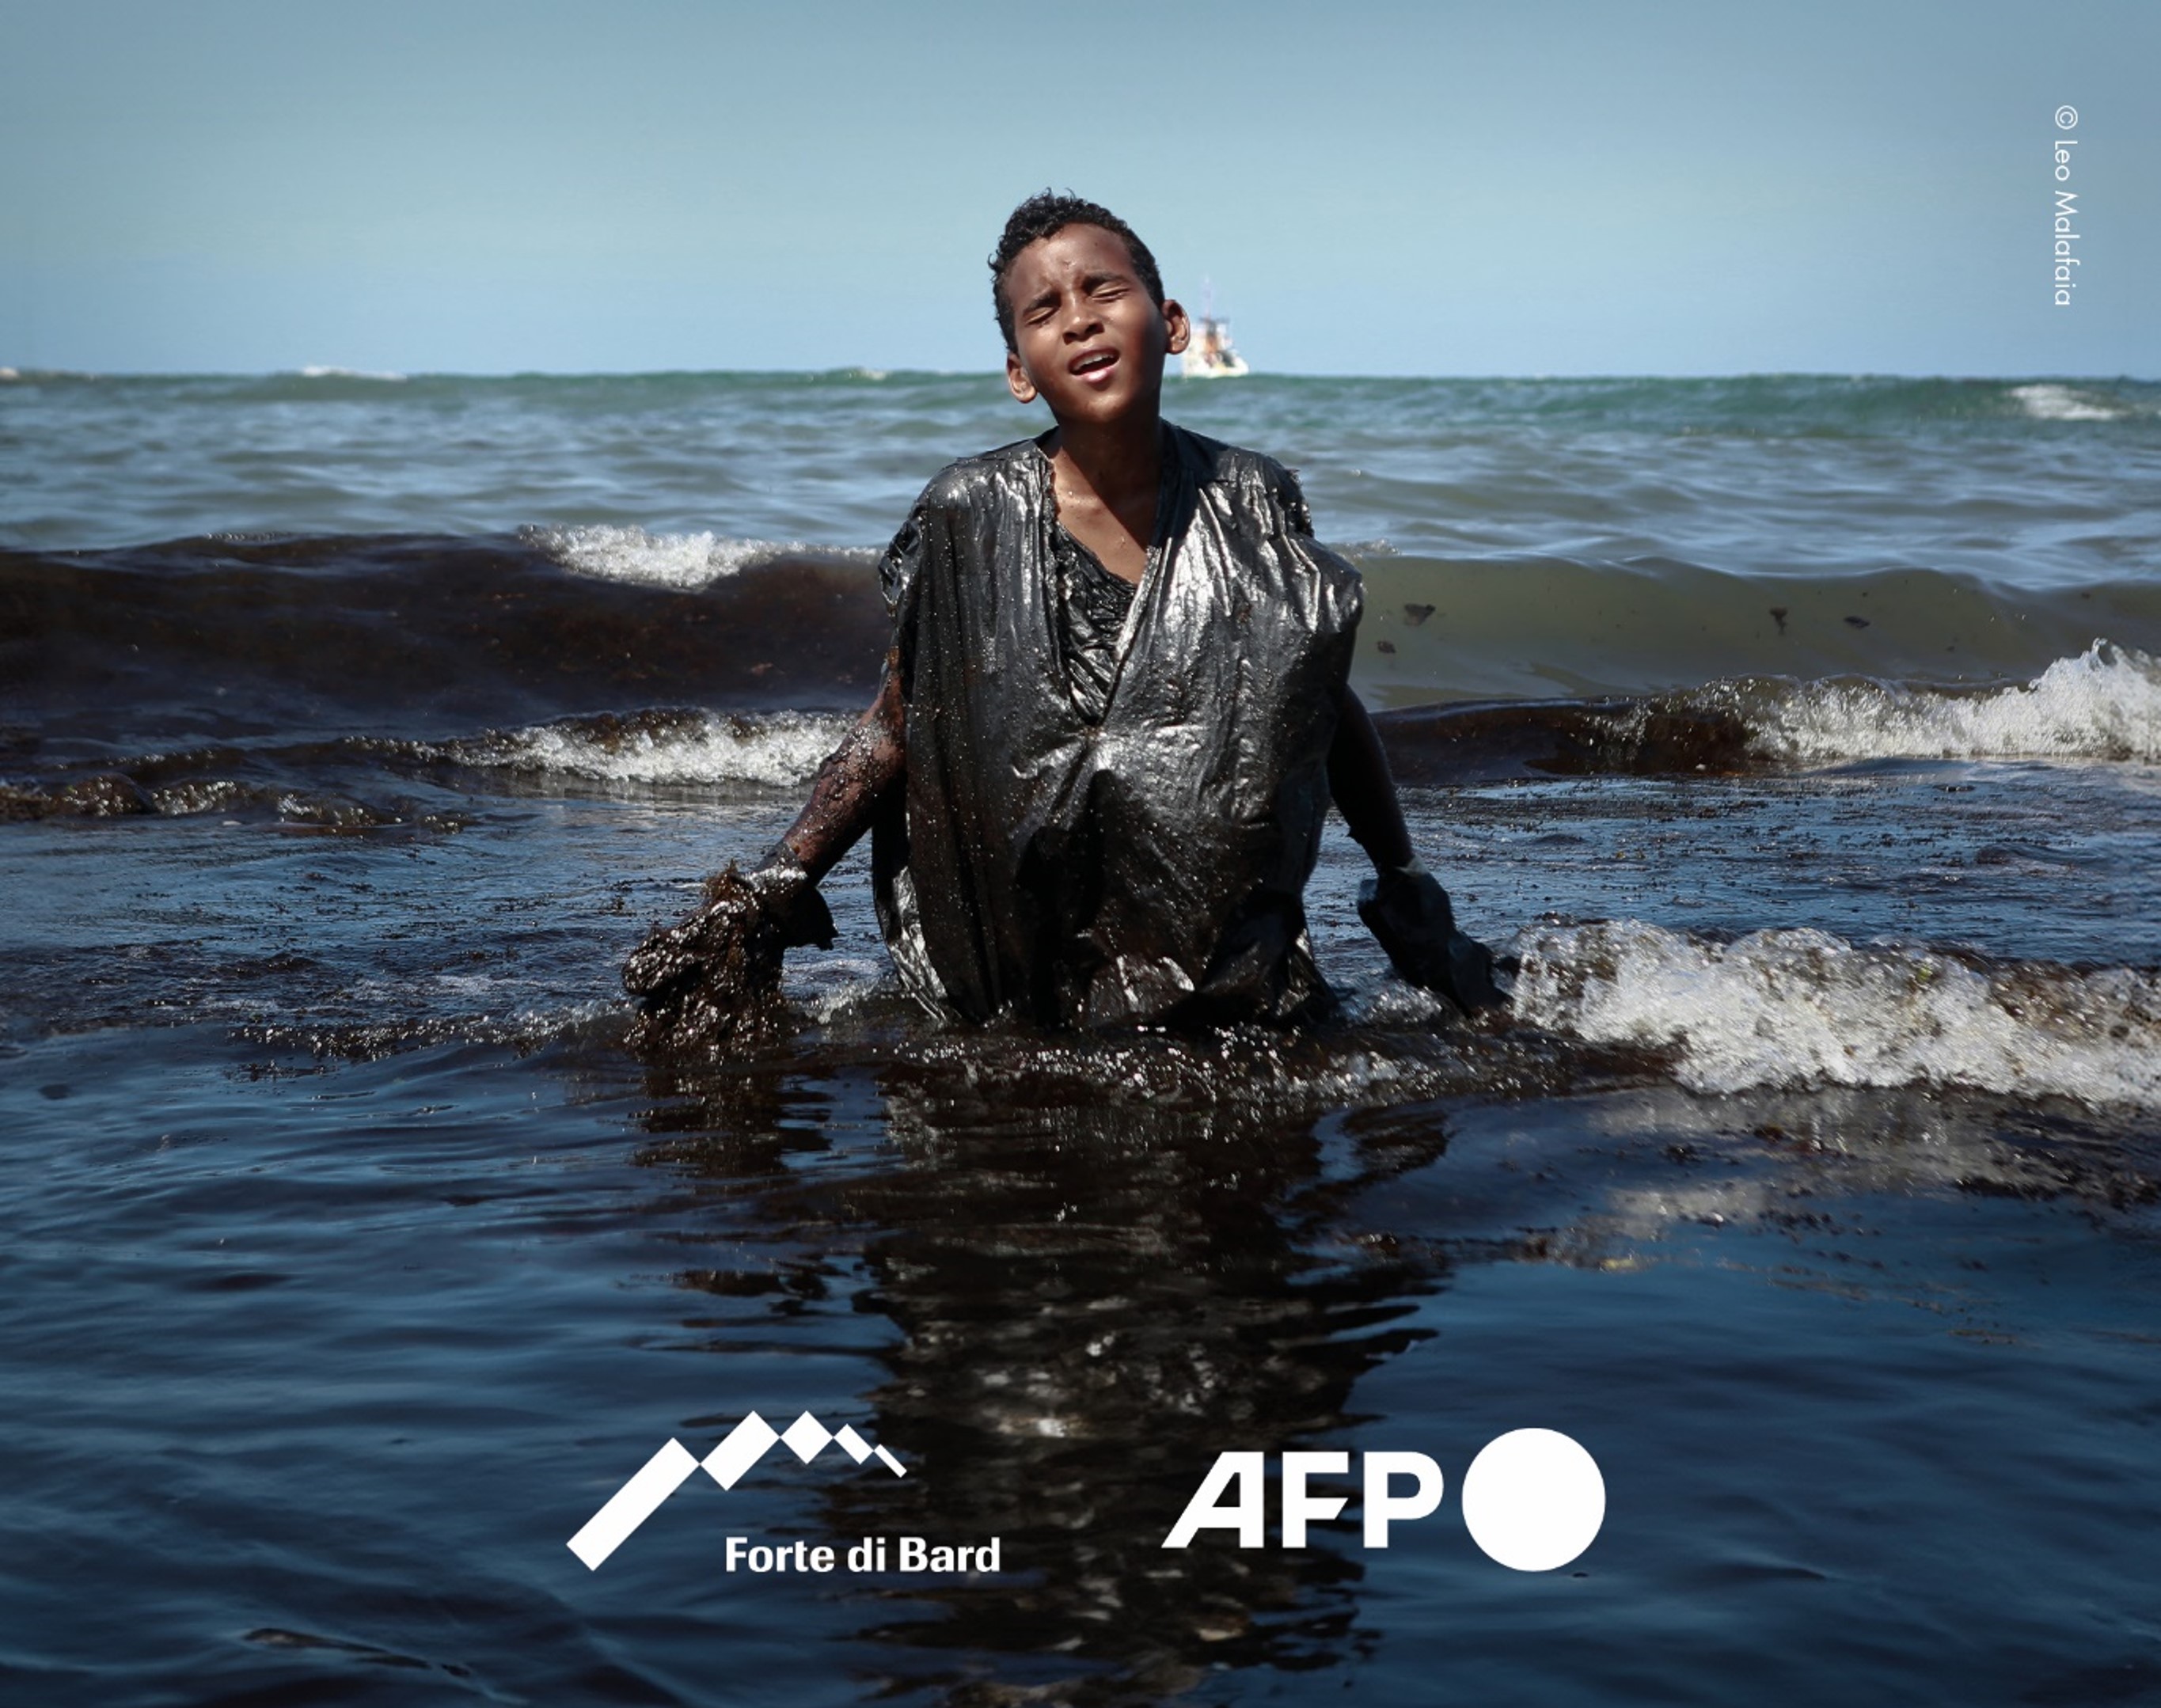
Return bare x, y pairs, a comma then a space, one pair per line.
1091, 362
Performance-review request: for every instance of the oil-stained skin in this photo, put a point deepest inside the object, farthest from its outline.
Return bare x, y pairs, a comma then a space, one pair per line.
712, 982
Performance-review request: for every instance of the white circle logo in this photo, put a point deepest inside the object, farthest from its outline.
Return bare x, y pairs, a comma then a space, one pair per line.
1533, 1499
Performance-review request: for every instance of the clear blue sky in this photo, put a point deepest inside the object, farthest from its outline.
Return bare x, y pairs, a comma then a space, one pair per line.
1523, 189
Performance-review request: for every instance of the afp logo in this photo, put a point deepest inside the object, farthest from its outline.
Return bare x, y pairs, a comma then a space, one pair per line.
1532, 1499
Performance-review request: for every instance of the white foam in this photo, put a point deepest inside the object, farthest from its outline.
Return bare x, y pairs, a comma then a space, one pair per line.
781, 748
317, 371
2105, 704
615, 553
2051, 402
1804, 1008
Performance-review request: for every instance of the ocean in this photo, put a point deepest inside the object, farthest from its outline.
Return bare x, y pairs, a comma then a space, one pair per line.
1800, 734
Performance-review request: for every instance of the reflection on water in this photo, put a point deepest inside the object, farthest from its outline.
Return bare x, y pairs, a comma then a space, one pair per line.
1094, 1299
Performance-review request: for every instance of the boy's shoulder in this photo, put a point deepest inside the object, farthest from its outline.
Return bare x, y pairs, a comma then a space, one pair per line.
969, 479
1247, 479
1213, 461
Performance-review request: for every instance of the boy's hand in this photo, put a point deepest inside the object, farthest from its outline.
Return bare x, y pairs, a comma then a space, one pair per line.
715, 978
1407, 910
789, 898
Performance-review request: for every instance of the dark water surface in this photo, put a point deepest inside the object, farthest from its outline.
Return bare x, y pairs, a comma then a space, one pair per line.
348, 1262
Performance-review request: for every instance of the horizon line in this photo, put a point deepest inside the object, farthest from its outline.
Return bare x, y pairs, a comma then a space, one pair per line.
866, 371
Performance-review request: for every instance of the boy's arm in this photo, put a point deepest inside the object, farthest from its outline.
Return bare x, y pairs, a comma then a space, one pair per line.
1403, 905
1365, 793
709, 978
844, 795
713, 980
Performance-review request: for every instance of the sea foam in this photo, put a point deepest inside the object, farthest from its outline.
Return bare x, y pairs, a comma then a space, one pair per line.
1802, 1008
2048, 400
322, 370
614, 553
779, 749
2105, 704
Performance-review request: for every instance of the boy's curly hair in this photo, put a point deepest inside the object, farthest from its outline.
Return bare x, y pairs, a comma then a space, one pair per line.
1044, 215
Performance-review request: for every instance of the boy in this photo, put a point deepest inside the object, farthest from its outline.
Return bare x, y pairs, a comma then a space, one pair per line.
1112, 719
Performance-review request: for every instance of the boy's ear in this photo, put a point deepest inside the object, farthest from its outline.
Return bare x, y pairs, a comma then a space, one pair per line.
1017, 382
1181, 329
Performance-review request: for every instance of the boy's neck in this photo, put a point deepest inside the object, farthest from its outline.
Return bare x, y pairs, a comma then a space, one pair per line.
1118, 462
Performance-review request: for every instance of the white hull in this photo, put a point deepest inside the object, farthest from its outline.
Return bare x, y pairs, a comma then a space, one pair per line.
1210, 354
1198, 367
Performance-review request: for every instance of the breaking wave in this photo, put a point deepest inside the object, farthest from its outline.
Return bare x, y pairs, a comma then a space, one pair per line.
689, 561
662, 748
2105, 704
2051, 400
326, 371
1803, 1009
314, 783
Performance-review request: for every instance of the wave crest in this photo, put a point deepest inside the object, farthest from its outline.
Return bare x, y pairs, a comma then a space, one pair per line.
614, 553
2051, 400
2105, 704
1803, 1009
780, 749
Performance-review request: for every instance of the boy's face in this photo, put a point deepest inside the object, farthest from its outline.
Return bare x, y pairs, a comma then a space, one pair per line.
1089, 339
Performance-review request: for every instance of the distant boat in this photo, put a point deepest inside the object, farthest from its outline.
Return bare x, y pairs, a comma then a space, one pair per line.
1209, 354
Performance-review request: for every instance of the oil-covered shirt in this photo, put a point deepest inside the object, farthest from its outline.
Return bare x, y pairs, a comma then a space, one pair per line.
1147, 863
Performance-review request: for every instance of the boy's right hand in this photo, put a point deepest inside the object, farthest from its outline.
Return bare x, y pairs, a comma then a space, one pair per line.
716, 976
788, 896
778, 898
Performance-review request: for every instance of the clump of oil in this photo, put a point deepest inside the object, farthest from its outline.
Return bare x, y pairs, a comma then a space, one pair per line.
711, 984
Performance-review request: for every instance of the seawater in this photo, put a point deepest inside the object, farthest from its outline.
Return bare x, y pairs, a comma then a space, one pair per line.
1798, 734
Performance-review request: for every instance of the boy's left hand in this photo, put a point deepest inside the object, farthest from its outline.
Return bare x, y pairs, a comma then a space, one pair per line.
1409, 912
